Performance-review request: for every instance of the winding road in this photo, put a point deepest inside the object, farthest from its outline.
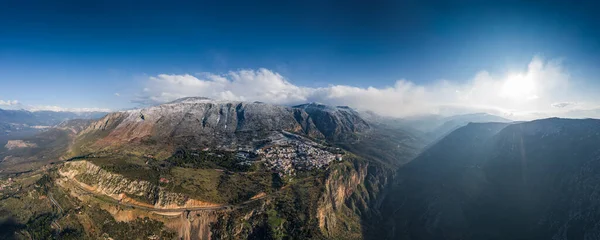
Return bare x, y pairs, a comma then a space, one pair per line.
169, 210
61, 210
55, 203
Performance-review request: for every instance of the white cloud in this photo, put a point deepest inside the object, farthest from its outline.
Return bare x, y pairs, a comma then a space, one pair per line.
521, 94
15, 105
563, 104
8, 102
63, 109
246, 85
117, 94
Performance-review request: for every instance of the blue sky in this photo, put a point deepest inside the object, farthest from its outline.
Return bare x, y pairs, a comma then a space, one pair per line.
78, 54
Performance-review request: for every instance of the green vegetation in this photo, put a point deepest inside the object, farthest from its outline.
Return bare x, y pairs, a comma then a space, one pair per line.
27, 212
208, 160
217, 186
208, 176
198, 183
276, 224
130, 166
137, 229
290, 214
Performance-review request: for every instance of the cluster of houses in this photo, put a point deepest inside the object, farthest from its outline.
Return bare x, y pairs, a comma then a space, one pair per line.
284, 153
286, 159
5, 184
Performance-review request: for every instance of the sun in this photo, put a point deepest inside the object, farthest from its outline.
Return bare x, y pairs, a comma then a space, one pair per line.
518, 87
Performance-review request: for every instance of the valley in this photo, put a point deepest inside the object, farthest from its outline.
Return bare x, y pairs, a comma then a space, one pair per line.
529, 180
294, 120
198, 168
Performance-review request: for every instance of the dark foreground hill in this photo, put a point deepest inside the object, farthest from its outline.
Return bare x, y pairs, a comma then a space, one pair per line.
531, 180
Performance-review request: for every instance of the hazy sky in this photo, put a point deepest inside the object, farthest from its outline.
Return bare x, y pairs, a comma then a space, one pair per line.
393, 57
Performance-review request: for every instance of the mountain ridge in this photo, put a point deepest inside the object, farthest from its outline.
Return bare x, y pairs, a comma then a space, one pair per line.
223, 123
501, 181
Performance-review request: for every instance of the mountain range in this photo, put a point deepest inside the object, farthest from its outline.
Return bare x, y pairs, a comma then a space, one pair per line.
529, 180
244, 169
23, 123
198, 168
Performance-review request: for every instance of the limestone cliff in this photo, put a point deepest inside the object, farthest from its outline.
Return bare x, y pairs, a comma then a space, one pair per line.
116, 186
350, 193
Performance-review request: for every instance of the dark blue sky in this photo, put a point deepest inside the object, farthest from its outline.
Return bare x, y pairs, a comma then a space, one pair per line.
79, 53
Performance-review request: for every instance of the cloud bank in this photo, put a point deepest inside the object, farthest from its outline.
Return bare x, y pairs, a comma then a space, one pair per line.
543, 88
8, 102
16, 105
63, 109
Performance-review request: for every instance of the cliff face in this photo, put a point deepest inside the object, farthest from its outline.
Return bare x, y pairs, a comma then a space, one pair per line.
93, 178
335, 123
339, 185
349, 202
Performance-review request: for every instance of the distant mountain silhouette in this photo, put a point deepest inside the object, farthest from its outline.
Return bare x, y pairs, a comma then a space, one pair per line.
531, 180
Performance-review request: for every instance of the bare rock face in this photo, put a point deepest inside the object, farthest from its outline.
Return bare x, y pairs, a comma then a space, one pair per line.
335, 123
339, 186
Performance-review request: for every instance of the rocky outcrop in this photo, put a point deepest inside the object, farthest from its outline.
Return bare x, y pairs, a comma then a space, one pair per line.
335, 123
340, 184
116, 186
350, 198
14, 144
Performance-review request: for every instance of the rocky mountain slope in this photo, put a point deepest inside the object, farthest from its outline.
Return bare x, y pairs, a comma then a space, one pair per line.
199, 123
531, 180
335, 123
229, 170
198, 168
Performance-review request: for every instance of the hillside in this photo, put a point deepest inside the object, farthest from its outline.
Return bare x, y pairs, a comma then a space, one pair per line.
199, 123
452, 123
531, 180
244, 169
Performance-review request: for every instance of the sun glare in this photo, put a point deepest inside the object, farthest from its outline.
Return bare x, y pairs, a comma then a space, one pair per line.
518, 87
